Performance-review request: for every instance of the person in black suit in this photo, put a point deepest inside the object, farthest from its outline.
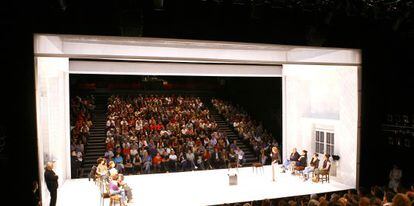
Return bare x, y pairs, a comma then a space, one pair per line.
51, 180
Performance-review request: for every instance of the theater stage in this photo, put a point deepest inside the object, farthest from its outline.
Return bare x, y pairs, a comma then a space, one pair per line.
198, 188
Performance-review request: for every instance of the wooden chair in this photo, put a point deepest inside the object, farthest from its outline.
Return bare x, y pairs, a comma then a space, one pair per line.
113, 199
104, 190
323, 175
257, 166
299, 170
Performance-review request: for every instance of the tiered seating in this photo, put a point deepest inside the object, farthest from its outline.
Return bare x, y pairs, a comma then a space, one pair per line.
82, 109
165, 133
248, 129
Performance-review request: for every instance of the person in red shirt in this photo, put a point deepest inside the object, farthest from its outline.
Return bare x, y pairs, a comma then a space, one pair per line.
206, 159
110, 145
156, 162
153, 127
126, 151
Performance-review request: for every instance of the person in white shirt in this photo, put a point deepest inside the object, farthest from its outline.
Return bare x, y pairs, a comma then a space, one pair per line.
112, 170
133, 151
173, 161
240, 156
109, 154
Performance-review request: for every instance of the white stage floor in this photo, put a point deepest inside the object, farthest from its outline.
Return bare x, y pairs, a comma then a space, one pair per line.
208, 187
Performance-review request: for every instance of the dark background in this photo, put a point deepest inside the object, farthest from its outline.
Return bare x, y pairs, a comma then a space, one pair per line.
383, 30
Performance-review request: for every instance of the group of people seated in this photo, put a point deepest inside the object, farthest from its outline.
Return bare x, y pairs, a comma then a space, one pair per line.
377, 196
159, 133
299, 162
250, 131
82, 109
111, 181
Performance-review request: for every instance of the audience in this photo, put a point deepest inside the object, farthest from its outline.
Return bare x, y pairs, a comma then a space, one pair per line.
344, 198
248, 129
82, 110
158, 133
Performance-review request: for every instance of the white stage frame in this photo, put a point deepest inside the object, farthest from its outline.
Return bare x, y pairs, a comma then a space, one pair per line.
56, 56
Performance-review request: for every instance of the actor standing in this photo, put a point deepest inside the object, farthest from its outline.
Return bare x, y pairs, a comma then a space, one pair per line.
51, 180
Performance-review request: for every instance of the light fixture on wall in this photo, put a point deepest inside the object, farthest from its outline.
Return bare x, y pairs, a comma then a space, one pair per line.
335, 157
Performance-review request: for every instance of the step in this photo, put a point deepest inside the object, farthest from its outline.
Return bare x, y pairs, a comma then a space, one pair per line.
96, 141
95, 146
96, 155
98, 130
93, 150
89, 158
97, 133
88, 165
92, 161
97, 136
93, 153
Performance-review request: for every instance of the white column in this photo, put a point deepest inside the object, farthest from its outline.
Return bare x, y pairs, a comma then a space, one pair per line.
53, 120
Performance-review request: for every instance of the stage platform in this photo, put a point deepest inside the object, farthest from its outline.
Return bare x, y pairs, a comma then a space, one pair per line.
193, 188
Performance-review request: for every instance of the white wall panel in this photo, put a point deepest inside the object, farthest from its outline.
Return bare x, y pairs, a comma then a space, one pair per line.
322, 97
52, 103
173, 69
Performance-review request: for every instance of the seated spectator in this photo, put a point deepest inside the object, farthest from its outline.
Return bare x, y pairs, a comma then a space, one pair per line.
401, 200
147, 162
301, 163
314, 164
156, 162
119, 161
313, 200
172, 161
190, 164
112, 169
128, 164
115, 189
294, 157
125, 187
165, 161
326, 165
102, 169
136, 162
109, 154
240, 156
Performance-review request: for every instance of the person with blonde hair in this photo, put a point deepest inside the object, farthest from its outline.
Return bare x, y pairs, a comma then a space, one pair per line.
275, 160
112, 170
51, 180
102, 169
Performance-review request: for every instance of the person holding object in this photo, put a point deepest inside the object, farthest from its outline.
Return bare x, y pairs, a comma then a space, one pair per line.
51, 180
